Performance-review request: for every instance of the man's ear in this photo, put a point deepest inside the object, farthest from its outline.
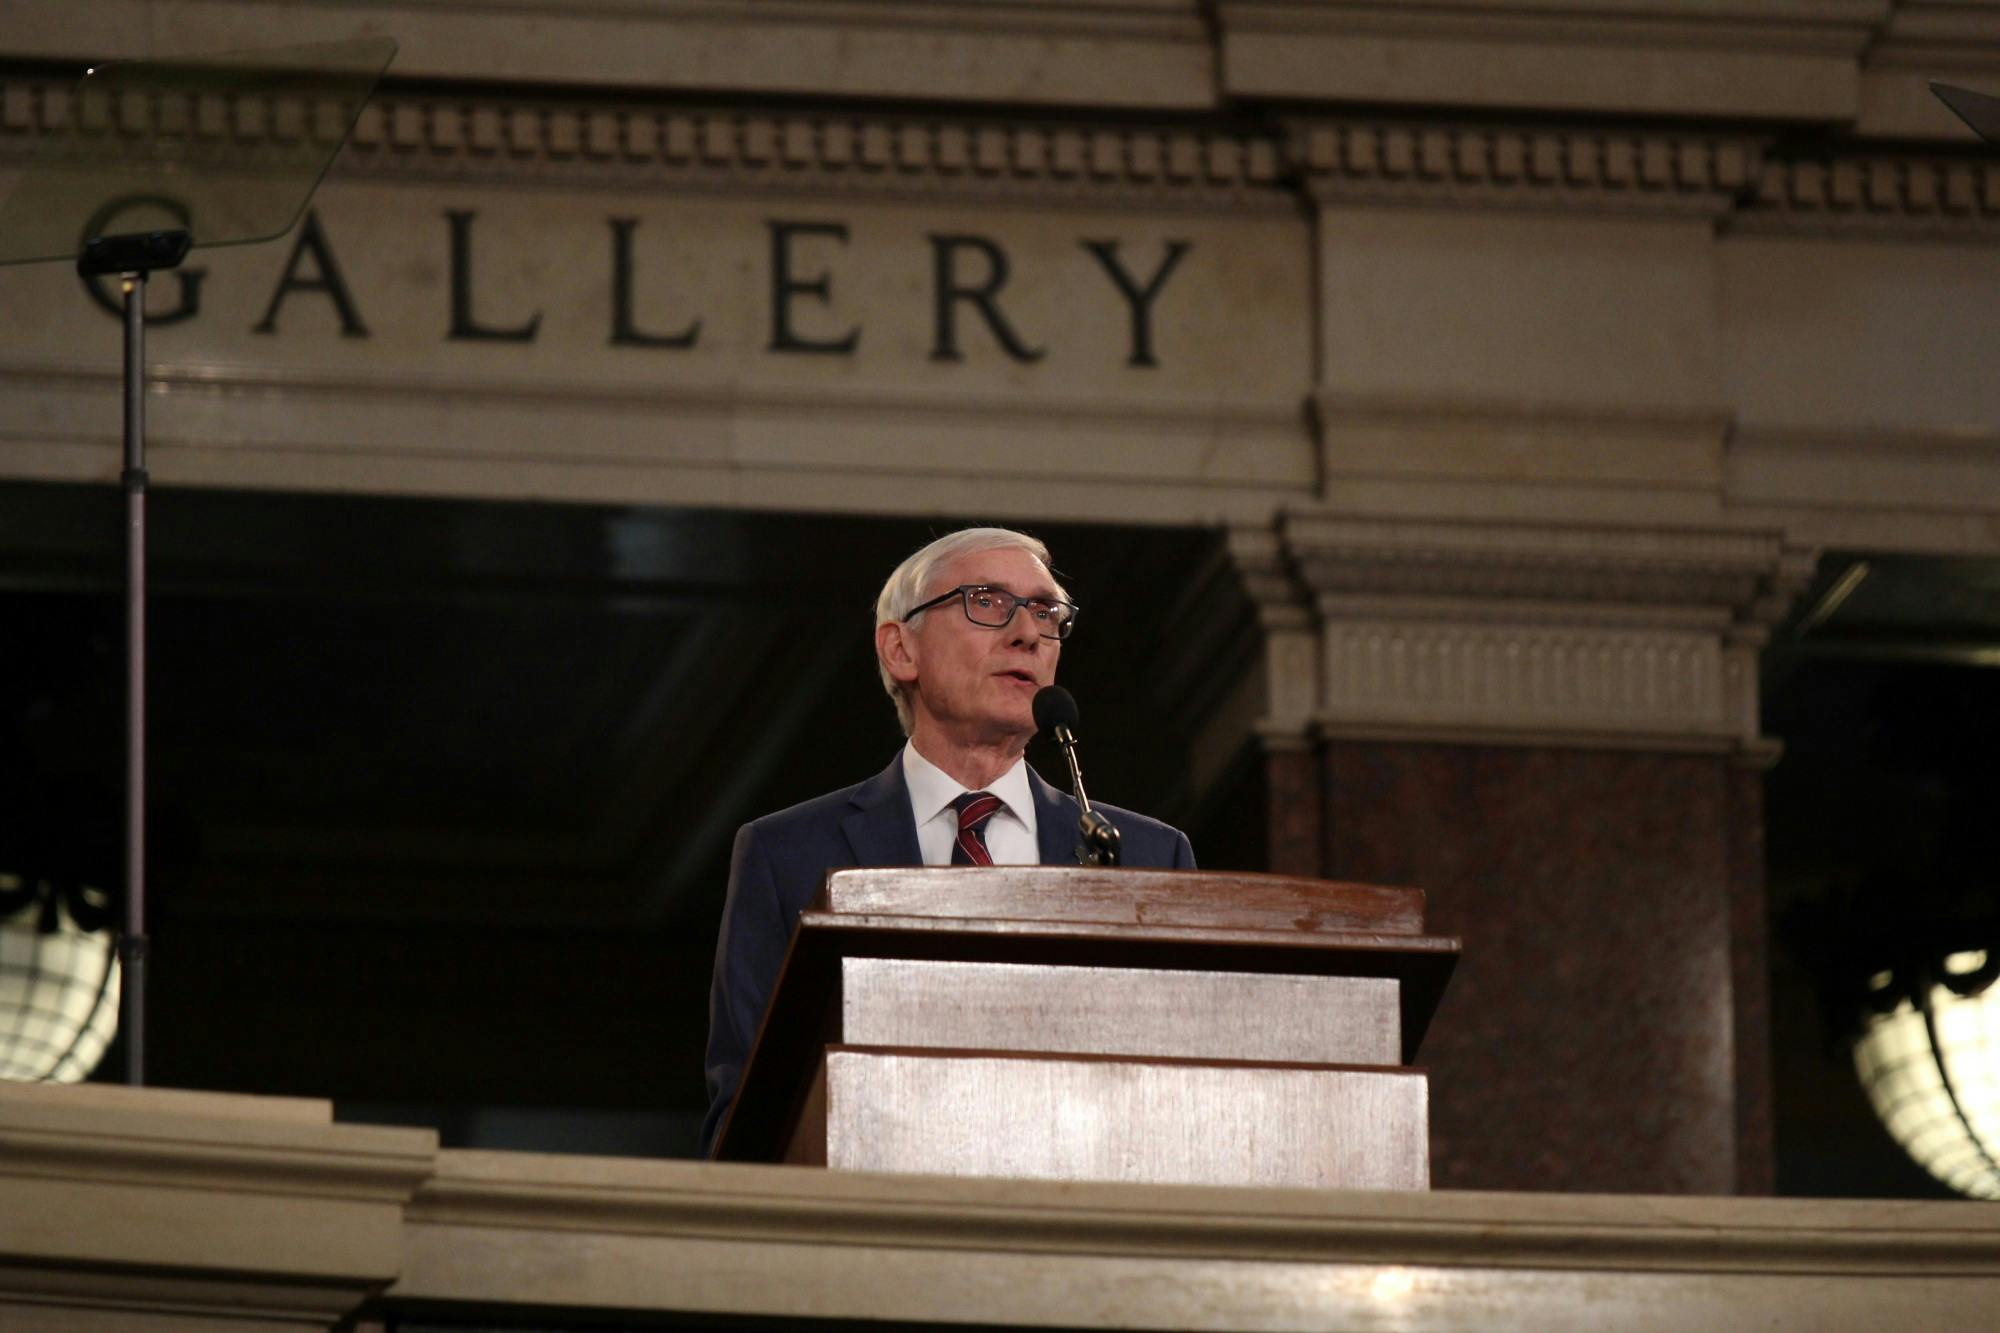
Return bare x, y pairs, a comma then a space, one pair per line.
896, 645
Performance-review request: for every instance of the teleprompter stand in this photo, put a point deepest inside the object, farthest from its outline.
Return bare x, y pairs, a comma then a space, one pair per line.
150, 162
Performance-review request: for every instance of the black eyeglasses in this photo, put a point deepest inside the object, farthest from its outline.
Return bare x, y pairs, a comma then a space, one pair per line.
994, 608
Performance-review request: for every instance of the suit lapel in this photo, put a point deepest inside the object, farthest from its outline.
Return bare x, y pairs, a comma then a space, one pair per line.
1055, 822
881, 831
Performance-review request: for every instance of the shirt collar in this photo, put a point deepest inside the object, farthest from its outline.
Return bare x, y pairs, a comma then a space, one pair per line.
932, 789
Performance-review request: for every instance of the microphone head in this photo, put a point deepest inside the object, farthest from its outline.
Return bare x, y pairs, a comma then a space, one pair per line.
1054, 707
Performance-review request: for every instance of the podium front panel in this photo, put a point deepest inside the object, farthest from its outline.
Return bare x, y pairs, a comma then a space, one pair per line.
1145, 1121
1120, 1011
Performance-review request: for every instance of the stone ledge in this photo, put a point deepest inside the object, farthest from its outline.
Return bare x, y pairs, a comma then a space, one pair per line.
1779, 59
517, 1233
192, 1207
765, 1241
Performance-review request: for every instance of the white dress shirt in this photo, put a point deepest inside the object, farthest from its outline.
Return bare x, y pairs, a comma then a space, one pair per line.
1010, 833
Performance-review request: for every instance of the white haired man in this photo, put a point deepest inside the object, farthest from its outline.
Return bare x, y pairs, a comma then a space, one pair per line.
966, 631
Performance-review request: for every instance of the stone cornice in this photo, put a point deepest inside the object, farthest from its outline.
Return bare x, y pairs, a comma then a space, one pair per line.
1808, 61
490, 1191
1733, 177
508, 141
1931, 36
1780, 59
1116, 53
1837, 26
1720, 568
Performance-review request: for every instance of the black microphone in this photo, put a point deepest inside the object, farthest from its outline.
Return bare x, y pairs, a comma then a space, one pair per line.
1056, 716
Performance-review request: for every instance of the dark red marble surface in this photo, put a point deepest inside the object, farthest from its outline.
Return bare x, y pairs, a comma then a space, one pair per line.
1750, 980
1294, 780
1611, 908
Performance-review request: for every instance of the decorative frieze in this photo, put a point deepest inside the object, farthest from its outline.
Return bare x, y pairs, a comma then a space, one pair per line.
1413, 674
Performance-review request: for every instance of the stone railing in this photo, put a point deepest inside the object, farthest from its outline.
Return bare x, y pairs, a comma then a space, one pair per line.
143, 1209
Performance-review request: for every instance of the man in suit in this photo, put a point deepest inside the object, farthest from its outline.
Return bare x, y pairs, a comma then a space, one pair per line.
966, 631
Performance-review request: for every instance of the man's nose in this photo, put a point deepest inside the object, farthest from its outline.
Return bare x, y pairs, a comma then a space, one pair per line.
1021, 628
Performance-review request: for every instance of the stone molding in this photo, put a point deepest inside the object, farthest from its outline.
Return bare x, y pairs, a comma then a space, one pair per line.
1720, 58
139, 1232
509, 140
1956, 41
1137, 53
1907, 195
1837, 26
1885, 488
474, 1188
1236, 421
1571, 169
1541, 633
1856, 62
1290, 666
1463, 163
1720, 567
520, 1230
192, 1207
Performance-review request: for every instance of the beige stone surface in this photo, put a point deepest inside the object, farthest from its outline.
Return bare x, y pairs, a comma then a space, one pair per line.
185, 1213
1150, 53
1794, 58
1214, 427
120, 1206
779, 1241
1464, 304
1540, 266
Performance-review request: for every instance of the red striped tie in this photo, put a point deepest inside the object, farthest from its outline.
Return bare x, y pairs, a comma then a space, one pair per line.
974, 809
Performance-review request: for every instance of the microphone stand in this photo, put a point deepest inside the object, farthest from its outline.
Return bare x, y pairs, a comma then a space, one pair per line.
1099, 845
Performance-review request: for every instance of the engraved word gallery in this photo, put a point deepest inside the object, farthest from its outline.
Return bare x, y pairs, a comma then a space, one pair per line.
963, 279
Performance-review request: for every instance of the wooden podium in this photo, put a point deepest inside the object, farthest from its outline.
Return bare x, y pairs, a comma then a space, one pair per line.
1065, 1023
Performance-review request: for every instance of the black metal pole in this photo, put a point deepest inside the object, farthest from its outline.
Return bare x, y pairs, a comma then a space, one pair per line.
132, 943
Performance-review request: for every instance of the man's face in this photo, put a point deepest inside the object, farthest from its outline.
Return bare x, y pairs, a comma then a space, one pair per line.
976, 684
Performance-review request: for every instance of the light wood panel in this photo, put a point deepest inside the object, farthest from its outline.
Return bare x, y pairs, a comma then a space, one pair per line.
1143, 1121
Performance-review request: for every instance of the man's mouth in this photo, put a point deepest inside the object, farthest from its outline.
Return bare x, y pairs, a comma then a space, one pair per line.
1026, 677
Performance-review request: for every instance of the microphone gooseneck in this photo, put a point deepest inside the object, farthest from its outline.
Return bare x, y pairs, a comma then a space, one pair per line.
1056, 715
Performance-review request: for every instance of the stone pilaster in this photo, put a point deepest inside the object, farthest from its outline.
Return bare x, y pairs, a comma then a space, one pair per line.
1552, 728
1289, 674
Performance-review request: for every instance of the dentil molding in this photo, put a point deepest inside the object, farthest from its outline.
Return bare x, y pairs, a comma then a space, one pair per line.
1465, 162
1573, 169
646, 145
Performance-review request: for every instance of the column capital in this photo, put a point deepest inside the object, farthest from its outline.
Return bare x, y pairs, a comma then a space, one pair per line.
1541, 632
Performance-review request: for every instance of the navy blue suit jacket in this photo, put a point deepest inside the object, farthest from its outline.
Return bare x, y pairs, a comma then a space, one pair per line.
781, 861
